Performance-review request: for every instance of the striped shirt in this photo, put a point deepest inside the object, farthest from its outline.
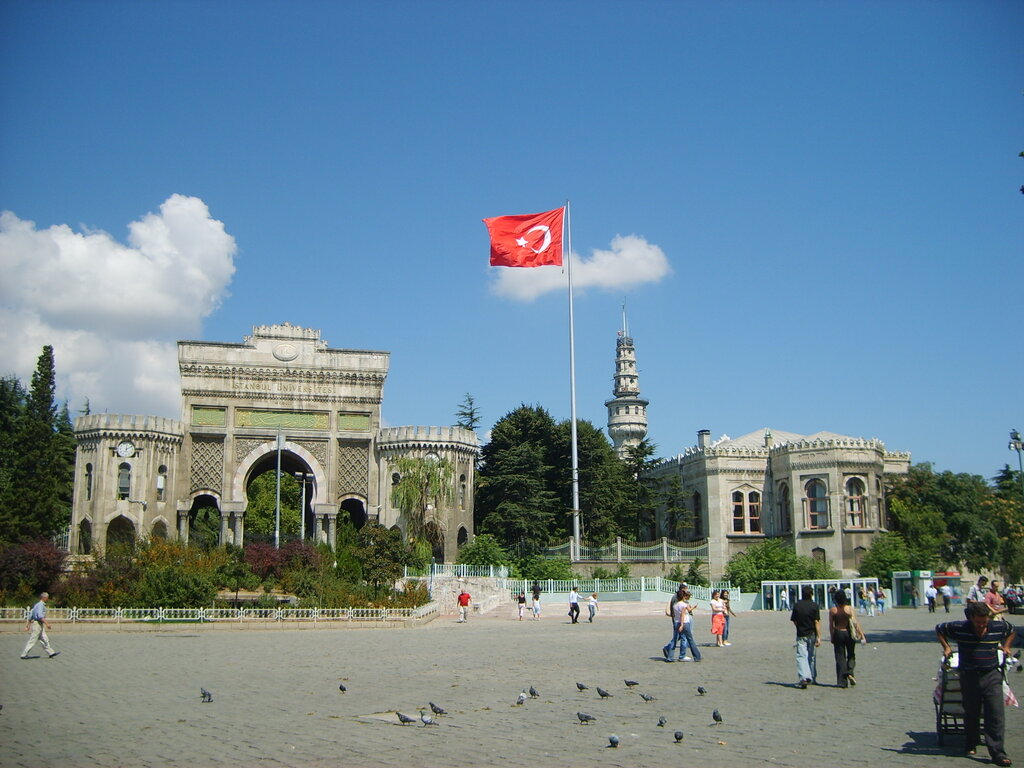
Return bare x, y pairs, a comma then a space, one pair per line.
977, 653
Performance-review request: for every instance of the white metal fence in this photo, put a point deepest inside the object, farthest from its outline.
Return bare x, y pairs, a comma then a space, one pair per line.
205, 615
621, 551
641, 584
459, 570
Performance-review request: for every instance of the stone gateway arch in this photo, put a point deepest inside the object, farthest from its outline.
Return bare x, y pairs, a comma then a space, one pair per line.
281, 392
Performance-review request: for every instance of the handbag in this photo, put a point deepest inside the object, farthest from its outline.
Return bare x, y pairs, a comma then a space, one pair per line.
855, 631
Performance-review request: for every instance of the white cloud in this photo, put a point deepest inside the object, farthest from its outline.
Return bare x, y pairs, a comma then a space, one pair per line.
112, 312
632, 261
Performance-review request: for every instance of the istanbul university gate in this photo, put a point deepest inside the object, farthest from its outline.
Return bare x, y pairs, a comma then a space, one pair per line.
149, 476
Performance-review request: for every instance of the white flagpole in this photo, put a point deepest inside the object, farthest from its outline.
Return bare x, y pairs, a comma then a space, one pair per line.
572, 392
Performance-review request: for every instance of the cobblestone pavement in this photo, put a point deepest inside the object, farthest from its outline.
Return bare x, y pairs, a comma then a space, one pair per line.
132, 699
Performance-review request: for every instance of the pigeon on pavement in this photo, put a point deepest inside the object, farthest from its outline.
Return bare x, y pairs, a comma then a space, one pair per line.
436, 709
405, 719
521, 699
717, 717
207, 697
582, 687
534, 693
603, 693
661, 722
646, 697
427, 719
630, 683
613, 741
342, 688
585, 718
679, 736
701, 690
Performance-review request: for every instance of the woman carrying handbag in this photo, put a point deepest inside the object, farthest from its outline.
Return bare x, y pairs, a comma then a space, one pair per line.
845, 632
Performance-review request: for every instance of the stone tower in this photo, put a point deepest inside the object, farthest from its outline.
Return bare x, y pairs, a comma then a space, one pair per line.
627, 411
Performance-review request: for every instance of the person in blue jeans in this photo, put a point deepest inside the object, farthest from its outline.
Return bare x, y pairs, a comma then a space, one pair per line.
806, 616
683, 619
674, 615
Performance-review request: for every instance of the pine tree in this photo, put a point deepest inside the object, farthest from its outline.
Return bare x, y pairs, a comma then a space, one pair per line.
32, 506
468, 415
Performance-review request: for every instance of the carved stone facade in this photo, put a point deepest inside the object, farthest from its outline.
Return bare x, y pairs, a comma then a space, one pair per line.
144, 476
823, 493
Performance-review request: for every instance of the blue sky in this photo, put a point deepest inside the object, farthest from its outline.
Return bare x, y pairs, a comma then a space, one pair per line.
832, 185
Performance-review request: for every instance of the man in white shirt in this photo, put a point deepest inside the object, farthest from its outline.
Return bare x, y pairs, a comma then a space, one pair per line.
930, 594
574, 604
37, 626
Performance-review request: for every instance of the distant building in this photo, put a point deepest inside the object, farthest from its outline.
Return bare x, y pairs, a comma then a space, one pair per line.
822, 493
145, 476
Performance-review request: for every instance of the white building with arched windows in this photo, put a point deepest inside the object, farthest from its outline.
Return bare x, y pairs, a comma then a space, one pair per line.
823, 493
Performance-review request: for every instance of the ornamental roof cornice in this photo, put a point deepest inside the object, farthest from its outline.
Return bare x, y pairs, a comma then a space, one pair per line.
264, 372
439, 438
266, 397
96, 426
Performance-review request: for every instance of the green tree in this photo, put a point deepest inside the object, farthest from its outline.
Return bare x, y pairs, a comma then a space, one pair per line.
888, 552
695, 574
773, 560
468, 415
484, 550
383, 555
32, 506
261, 510
424, 485
520, 509
642, 491
954, 504
679, 517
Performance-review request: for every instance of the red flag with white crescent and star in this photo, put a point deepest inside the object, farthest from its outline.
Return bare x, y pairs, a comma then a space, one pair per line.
530, 240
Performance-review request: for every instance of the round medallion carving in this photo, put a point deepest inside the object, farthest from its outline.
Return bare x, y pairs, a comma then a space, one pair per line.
286, 352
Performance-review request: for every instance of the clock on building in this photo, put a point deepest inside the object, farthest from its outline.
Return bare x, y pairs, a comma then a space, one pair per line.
126, 449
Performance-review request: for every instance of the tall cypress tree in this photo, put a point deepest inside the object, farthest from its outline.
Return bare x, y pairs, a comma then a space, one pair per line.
32, 499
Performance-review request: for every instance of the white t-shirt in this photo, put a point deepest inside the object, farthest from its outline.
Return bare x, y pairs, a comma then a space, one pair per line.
681, 612
574, 597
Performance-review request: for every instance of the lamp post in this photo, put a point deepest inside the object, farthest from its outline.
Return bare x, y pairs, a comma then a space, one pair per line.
302, 506
277, 503
1016, 444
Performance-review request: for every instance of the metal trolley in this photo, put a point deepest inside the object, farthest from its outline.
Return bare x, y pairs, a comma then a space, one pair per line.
949, 701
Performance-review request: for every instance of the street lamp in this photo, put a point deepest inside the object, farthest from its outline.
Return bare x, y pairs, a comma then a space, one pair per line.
301, 476
1016, 444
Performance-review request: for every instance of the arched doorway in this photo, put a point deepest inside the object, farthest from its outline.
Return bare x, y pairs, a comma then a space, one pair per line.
356, 511
159, 530
120, 532
85, 538
204, 521
298, 492
463, 536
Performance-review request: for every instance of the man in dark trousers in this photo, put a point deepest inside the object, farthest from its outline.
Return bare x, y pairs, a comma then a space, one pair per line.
807, 618
979, 640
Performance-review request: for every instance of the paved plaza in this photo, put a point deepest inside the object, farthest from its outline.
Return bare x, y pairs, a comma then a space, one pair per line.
132, 698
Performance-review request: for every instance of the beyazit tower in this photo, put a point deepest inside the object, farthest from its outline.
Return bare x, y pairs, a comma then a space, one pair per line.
627, 411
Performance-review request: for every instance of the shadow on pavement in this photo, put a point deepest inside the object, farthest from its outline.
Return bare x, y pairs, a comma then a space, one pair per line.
923, 743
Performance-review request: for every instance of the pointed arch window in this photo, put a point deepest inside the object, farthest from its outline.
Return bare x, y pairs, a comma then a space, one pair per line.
856, 503
161, 483
816, 505
88, 482
785, 508
746, 512
124, 480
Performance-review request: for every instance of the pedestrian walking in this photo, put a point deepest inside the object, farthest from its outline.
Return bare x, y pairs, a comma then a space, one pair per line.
844, 631
574, 605
592, 606
677, 623
979, 639
914, 597
947, 596
36, 626
521, 600
686, 628
872, 601
930, 594
536, 601
880, 599
464, 600
806, 616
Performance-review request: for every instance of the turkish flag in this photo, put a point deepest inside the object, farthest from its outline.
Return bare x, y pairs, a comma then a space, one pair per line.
530, 240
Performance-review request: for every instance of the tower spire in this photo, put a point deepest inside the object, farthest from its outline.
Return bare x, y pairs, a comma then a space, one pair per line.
627, 411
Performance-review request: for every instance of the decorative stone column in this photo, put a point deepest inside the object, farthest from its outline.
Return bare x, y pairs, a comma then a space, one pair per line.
183, 525
239, 529
332, 527
236, 511
224, 520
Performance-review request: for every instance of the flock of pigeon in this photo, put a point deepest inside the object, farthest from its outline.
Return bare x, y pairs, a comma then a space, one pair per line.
583, 717
532, 693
